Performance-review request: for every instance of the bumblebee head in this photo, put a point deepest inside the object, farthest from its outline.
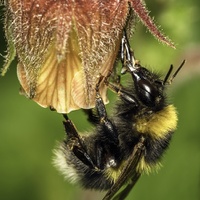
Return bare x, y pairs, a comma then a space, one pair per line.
149, 87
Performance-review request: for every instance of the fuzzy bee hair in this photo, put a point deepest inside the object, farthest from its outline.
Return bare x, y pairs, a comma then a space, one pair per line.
128, 143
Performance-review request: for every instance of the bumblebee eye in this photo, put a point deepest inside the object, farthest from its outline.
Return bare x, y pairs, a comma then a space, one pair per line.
147, 92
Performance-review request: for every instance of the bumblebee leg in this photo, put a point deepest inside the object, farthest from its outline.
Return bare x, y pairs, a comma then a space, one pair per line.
129, 170
127, 58
109, 128
124, 95
107, 146
124, 193
94, 115
76, 144
128, 64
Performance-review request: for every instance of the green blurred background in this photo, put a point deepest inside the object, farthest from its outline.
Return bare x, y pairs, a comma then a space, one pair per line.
28, 133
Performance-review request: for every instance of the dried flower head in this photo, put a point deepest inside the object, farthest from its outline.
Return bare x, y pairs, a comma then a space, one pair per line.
63, 45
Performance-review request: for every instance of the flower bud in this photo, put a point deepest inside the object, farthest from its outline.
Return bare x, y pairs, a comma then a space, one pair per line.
63, 46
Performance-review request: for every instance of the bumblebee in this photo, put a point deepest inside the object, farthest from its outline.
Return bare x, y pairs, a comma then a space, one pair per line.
128, 143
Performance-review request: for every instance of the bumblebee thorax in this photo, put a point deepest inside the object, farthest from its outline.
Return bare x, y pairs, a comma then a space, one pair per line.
157, 124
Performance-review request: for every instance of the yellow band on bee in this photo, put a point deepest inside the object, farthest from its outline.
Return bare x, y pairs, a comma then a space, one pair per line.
158, 124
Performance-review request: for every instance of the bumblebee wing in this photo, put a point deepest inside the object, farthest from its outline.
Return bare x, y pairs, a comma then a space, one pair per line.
128, 171
124, 193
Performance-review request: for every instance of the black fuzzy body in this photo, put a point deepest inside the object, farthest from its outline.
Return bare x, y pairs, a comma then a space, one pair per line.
124, 120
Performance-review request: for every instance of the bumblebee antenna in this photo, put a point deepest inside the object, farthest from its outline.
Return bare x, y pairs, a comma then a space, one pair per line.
176, 72
168, 74
174, 75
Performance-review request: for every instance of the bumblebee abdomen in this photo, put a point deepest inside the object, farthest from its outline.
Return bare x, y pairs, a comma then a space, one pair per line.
75, 171
157, 128
156, 147
92, 179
